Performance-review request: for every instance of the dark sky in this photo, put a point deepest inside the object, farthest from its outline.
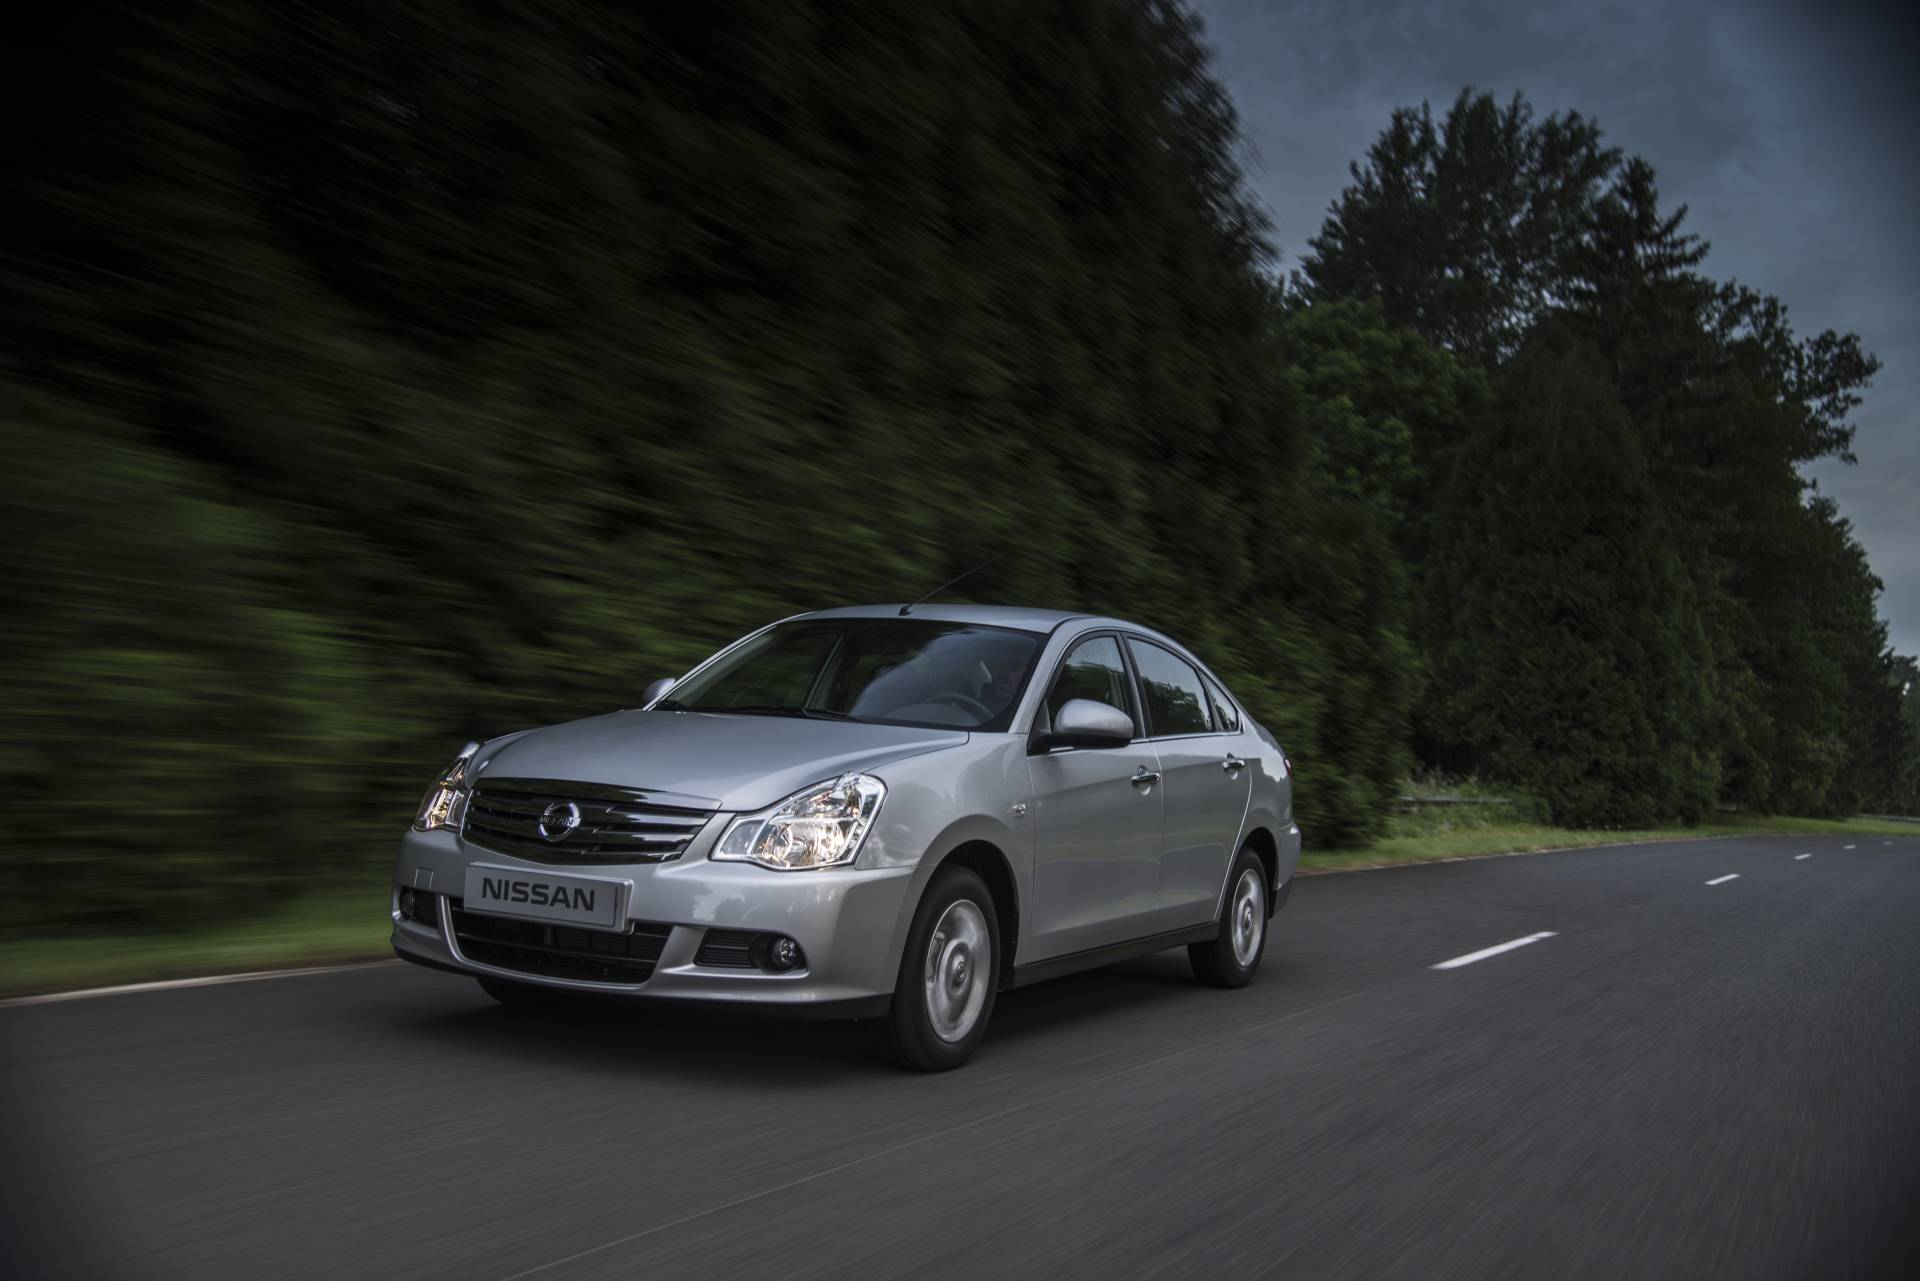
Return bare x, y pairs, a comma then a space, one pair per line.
1790, 130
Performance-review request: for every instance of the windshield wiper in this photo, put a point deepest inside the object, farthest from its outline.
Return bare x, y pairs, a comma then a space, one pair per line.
788, 709
671, 705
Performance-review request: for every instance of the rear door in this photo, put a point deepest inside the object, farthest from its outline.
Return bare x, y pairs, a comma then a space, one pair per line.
1097, 817
1205, 780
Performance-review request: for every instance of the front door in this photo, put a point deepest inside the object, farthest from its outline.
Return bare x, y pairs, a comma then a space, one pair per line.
1097, 817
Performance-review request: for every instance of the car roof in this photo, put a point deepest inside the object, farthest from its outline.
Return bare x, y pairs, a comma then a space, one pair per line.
1019, 617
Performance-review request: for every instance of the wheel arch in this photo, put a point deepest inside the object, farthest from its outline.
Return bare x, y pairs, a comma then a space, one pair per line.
989, 849
1261, 841
990, 863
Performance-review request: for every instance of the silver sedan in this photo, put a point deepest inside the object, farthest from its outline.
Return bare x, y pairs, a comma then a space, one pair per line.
874, 812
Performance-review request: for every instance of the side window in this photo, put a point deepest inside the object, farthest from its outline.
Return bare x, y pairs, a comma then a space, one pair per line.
1093, 669
1225, 715
1176, 703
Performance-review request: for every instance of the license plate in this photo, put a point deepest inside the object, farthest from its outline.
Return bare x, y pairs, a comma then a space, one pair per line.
547, 896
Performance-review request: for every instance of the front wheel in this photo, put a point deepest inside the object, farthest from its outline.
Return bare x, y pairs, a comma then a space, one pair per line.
949, 975
1231, 956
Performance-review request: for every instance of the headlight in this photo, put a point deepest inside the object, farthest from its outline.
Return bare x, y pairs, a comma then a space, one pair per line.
822, 826
445, 803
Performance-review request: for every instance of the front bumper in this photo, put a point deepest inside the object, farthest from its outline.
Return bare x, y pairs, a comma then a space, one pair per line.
848, 921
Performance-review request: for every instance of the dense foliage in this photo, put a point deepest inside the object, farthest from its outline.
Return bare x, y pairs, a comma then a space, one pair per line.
1636, 603
380, 377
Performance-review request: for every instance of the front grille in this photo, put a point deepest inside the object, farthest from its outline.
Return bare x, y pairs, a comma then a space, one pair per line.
558, 951
726, 948
617, 824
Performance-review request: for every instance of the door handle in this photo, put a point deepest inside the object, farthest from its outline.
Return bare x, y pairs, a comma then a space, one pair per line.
1233, 765
1144, 777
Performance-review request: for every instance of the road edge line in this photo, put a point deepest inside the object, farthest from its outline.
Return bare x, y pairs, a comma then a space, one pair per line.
204, 980
1556, 849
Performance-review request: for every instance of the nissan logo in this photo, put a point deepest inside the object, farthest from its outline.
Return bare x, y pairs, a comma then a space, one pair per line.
558, 819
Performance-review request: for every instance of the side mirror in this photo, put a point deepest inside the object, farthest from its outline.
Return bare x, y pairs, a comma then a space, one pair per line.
1086, 723
658, 689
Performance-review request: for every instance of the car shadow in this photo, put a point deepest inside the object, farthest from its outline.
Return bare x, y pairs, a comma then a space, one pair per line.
600, 1034
1080, 1004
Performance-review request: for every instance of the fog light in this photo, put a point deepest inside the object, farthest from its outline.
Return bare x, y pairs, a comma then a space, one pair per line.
784, 954
407, 904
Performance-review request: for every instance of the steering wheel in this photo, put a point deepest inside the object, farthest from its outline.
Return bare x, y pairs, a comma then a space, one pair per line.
965, 702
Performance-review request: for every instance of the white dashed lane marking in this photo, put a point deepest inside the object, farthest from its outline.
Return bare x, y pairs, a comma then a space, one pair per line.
1798, 857
1722, 880
1495, 950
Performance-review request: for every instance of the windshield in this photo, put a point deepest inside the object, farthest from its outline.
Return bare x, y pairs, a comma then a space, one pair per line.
905, 671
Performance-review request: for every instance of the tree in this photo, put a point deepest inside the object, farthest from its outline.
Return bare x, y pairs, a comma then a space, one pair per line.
1466, 233
1495, 229
1572, 655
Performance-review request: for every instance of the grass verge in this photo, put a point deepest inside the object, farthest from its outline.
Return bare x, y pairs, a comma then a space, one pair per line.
1431, 838
309, 931
354, 926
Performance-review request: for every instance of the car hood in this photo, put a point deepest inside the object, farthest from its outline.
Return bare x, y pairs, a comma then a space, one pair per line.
730, 762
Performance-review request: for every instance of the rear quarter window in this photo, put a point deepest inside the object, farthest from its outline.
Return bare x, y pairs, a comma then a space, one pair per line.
1225, 714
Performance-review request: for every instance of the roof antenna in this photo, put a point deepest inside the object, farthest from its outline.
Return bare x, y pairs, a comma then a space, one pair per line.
906, 609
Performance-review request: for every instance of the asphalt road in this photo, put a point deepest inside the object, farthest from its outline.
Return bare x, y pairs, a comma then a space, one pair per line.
1684, 1080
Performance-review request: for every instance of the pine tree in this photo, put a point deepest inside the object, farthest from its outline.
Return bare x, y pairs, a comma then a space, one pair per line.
1573, 657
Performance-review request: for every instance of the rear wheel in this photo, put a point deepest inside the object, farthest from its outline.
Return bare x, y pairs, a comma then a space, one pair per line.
948, 976
1231, 957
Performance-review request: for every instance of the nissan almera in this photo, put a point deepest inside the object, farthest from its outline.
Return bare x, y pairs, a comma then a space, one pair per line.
865, 813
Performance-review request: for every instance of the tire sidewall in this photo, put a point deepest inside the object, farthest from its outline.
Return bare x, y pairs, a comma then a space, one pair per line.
1237, 974
914, 1039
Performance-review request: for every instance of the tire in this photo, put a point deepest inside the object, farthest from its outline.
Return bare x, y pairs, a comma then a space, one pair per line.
1230, 958
524, 996
935, 1024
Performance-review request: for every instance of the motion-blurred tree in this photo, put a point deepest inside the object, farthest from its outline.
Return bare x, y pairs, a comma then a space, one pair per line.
434, 371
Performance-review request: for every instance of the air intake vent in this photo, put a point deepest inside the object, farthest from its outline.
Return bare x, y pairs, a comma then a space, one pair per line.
727, 948
559, 951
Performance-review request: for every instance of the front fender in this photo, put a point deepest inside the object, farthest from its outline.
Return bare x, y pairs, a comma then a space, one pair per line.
941, 801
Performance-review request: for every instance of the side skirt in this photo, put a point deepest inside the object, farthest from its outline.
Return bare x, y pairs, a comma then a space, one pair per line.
1093, 957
